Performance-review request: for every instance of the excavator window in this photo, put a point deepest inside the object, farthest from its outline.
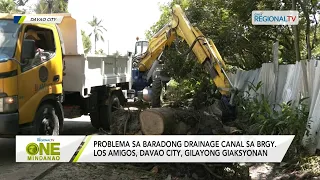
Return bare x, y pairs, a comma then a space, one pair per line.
141, 47
45, 46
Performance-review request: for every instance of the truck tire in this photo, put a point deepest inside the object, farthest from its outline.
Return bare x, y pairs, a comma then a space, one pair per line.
106, 114
95, 120
46, 121
156, 93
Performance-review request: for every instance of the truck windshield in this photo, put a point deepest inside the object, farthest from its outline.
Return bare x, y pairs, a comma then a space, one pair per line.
8, 38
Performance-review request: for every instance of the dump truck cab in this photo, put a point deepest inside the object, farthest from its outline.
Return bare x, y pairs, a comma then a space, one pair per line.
9, 117
31, 71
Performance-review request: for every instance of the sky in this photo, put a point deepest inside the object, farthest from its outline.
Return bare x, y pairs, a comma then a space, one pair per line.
123, 19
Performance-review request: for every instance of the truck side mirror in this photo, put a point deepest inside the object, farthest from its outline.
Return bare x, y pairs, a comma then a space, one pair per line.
28, 49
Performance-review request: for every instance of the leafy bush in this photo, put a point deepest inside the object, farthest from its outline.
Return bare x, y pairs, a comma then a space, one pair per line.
257, 116
192, 92
193, 85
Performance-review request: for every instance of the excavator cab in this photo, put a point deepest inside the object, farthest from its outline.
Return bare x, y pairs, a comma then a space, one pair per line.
140, 47
139, 50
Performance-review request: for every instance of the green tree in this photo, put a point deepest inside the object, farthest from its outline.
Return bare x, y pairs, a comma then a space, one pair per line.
228, 24
86, 42
98, 30
241, 44
165, 16
8, 6
58, 6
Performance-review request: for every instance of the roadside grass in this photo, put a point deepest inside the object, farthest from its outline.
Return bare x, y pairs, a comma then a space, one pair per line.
256, 115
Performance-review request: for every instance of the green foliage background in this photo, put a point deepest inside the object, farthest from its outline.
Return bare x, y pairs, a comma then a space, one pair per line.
241, 44
245, 46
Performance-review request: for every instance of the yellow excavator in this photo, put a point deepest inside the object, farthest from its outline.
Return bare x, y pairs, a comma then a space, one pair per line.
148, 66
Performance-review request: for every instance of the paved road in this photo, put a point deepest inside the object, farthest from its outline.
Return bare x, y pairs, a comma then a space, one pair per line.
9, 168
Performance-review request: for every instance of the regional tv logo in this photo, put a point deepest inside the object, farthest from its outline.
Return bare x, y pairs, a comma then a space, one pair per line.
275, 17
43, 150
28, 19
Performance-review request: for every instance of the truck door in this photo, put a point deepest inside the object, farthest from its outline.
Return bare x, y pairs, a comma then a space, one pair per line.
42, 75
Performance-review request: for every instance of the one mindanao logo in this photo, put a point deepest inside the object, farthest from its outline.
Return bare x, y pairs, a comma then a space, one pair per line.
275, 17
43, 150
37, 19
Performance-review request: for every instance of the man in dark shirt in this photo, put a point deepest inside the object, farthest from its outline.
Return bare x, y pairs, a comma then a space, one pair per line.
31, 34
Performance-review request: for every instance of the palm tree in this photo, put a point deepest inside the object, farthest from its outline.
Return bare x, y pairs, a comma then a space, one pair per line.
41, 7
57, 6
60, 6
8, 6
86, 42
97, 31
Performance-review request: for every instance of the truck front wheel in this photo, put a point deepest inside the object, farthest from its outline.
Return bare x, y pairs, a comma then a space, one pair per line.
46, 121
95, 121
103, 116
113, 105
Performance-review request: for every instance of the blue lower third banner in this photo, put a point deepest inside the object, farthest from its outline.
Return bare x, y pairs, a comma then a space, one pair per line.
145, 149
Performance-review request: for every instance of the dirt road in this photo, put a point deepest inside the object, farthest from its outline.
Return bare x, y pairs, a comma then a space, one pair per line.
9, 168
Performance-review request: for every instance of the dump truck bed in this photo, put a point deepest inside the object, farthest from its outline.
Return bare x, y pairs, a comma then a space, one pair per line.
85, 72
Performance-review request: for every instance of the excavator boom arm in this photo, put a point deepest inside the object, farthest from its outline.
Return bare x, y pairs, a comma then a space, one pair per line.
204, 49
156, 46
